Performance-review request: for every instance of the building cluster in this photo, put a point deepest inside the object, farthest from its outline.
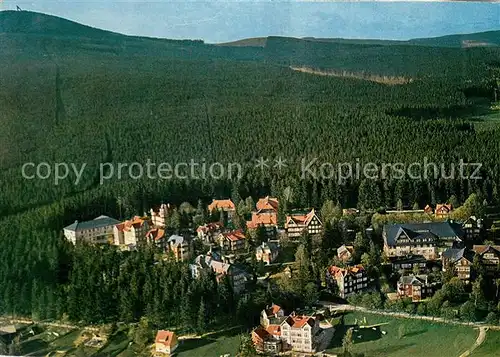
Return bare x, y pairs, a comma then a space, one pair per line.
415, 249
279, 332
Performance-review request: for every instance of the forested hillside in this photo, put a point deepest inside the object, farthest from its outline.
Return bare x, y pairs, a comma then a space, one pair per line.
108, 98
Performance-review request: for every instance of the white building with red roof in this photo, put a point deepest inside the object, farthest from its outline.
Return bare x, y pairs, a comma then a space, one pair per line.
166, 342
299, 333
131, 232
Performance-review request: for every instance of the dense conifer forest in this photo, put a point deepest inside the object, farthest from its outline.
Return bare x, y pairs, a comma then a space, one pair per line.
116, 99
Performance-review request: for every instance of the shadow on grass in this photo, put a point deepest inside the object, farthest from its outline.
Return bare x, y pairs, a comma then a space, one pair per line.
384, 351
415, 333
358, 335
33, 346
194, 343
117, 343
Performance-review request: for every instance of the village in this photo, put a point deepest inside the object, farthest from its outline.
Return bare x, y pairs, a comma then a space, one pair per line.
422, 252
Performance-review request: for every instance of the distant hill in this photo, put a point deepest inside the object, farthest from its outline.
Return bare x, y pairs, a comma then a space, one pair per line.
28, 22
248, 42
480, 39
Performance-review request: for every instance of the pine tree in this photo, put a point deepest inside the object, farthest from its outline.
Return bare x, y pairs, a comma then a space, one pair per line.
202, 317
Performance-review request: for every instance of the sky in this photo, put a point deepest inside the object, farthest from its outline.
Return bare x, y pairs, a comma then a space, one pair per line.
228, 20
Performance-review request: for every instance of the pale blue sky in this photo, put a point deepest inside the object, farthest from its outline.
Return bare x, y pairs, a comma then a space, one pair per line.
219, 21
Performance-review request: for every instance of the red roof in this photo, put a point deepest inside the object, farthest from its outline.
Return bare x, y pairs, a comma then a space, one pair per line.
135, 222
337, 271
274, 330
262, 218
299, 321
443, 208
156, 234
235, 236
165, 337
267, 203
226, 205
261, 332
273, 310
209, 227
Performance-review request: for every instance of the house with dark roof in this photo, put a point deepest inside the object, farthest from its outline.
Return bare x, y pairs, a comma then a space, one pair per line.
297, 223
460, 260
237, 277
98, 231
473, 228
408, 262
416, 287
427, 239
267, 252
490, 258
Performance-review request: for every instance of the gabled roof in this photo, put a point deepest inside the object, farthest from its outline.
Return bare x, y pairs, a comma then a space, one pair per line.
156, 234
481, 249
226, 205
99, 222
261, 332
267, 248
165, 337
135, 222
443, 208
299, 321
164, 208
455, 254
417, 231
272, 310
336, 271
264, 218
304, 219
176, 240
413, 280
209, 227
274, 330
267, 203
235, 236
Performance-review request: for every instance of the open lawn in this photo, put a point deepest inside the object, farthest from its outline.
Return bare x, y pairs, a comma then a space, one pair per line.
212, 346
45, 342
403, 337
490, 345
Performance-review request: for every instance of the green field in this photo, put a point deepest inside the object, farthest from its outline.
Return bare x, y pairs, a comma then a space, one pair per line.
405, 337
211, 346
490, 345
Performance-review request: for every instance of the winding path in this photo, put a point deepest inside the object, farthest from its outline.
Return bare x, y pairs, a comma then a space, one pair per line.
479, 341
